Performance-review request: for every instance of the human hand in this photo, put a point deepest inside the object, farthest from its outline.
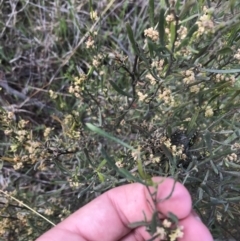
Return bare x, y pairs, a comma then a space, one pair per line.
108, 216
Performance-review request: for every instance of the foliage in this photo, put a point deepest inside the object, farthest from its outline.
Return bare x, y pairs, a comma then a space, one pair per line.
97, 94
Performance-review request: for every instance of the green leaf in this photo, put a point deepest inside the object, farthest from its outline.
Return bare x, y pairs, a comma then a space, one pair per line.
233, 173
131, 38
121, 171
105, 134
206, 177
185, 41
173, 217
213, 97
208, 141
231, 5
154, 223
173, 33
101, 177
161, 26
137, 224
142, 173
152, 48
230, 213
201, 52
214, 167
119, 90
192, 123
186, 8
190, 18
102, 164
225, 51
233, 199
61, 167
200, 193
135, 46
124, 173
216, 201
192, 30
109, 160
151, 11
236, 94
169, 130
90, 71
234, 36
168, 154
221, 71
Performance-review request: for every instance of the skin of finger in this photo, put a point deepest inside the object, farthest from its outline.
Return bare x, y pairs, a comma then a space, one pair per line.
179, 203
58, 234
194, 229
138, 234
107, 217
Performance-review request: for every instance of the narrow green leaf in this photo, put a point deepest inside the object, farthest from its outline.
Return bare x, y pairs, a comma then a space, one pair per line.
169, 130
109, 160
167, 153
140, 169
137, 224
194, 51
215, 201
61, 167
206, 177
221, 71
225, 51
192, 30
154, 223
236, 94
173, 33
90, 71
161, 26
190, 18
193, 123
135, 46
213, 97
201, 52
231, 5
214, 167
208, 141
233, 173
105, 134
131, 38
233, 199
101, 177
173, 217
151, 47
119, 90
178, 5
121, 171
102, 164
185, 41
200, 193
124, 173
230, 214
91, 5
142, 173
186, 7
151, 11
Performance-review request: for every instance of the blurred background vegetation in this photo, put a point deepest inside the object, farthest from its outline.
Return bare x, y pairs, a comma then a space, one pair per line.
97, 94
